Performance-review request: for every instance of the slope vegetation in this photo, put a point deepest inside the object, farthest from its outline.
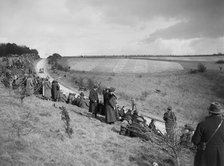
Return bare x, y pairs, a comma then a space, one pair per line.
32, 133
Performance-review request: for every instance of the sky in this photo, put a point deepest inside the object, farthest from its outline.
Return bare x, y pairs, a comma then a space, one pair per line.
114, 27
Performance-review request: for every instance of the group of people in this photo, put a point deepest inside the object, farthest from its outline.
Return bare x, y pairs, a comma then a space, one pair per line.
108, 106
208, 136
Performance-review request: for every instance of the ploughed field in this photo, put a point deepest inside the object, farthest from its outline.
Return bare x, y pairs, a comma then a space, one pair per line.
186, 58
118, 65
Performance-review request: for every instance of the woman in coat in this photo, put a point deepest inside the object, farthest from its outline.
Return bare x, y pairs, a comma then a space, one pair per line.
111, 108
29, 86
47, 89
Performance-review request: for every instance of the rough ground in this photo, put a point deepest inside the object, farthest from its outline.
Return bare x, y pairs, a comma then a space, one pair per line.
189, 94
121, 65
33, 133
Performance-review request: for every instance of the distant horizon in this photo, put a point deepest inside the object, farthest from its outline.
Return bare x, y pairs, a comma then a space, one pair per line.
149, 55
122, 55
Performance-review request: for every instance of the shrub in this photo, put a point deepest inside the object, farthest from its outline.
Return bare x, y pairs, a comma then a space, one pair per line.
201, 67
109, 78
193, 71
112, 74
139, 76
220, 62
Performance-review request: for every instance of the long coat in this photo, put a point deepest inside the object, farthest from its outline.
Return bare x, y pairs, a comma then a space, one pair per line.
93, 101
213, 155
55, 90
111, 109
106, 97
170, 122
29, 86
47, 89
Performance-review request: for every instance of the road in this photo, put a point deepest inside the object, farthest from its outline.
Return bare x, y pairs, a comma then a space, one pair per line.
43, 64
66, 90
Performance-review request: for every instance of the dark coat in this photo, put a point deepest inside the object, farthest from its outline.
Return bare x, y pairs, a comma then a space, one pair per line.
106, 96
111, 109
213, 155
55, 91
93, 101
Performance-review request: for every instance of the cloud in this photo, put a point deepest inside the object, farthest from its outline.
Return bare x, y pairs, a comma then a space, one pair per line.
74, 27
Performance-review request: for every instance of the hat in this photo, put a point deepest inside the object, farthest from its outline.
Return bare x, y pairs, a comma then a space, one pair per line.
81, 94
135, 112
111, 89
169, 108
215, 108
188, 127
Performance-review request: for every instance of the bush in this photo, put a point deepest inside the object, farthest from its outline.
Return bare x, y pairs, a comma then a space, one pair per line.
201, 67
220, 62
139, 76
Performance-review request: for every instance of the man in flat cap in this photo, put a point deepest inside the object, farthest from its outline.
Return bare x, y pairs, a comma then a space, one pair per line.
170, 122
93, 101
209, 138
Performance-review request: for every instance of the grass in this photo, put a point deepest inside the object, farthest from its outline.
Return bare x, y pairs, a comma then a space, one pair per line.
33, 133
188, 94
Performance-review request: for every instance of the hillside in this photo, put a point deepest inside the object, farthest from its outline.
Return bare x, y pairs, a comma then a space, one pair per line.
188, 93
33, 133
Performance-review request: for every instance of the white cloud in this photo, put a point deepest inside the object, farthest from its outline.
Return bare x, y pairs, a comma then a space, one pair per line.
74, 27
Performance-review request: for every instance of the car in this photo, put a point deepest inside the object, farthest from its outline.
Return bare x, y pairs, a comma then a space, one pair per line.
41, 70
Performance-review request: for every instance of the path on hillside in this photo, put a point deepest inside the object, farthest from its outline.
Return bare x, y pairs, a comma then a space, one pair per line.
43, 64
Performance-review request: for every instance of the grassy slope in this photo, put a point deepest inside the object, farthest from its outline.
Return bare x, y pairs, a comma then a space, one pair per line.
188, 94
33, 133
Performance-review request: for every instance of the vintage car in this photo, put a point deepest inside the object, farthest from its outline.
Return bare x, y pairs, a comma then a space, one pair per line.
41, 70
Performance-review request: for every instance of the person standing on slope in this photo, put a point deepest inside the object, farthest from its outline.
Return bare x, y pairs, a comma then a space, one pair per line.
93, 101
111, 107
170, 122
209, 138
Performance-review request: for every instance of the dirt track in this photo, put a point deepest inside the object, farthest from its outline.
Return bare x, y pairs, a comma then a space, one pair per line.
42, 64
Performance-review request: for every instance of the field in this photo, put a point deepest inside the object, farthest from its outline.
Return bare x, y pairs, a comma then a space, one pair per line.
33, 133
189, 94
120, 65
186, 58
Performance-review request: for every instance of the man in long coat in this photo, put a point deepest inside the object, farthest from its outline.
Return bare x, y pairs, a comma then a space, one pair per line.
213, 154
170, 122
106, 96
93, 101
55, 90
111, 108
